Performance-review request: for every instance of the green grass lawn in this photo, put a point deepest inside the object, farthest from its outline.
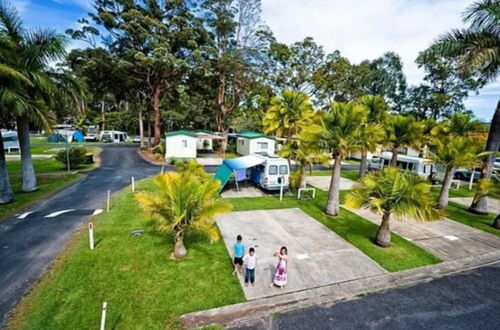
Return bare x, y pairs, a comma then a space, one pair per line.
143, 287
459, 213
40, 165
348, 174
354, 229
47, 185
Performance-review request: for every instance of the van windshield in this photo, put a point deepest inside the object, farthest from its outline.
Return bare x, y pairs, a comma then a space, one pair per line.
273, 170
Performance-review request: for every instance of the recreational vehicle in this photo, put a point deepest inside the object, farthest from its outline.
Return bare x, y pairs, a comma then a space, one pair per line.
92, 134
113, 136
272, 173
421, 166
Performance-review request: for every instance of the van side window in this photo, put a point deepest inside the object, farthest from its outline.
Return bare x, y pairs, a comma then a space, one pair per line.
273, 169
283, 169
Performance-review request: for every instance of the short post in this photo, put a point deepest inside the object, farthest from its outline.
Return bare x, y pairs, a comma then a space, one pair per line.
471, 178
91, 235
108, 201
162, 169
133, 184
103, 315
281, 187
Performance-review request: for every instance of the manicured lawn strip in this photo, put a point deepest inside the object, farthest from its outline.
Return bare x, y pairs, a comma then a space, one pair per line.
463, 191
354, 229
143, 287
348, 174
41, 166
459, 213
47, 184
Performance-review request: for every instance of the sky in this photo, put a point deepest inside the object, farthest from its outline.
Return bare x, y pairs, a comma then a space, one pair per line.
359, 29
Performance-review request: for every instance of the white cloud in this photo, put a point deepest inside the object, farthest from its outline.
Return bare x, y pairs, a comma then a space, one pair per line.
365, 29
21, 5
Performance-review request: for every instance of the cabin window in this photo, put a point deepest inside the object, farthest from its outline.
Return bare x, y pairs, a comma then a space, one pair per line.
273, 170
283, 169
184, 143
262, 145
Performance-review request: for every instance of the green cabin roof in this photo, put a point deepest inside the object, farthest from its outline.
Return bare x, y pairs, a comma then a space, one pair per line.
253, 135
180, 132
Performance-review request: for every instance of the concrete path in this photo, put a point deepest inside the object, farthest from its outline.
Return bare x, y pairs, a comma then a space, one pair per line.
245, 191
318, 256
493, 204
323, 182
446, 239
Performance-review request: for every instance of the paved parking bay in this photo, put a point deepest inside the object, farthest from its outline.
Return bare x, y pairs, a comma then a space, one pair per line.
446, 239
318, 256
323, 182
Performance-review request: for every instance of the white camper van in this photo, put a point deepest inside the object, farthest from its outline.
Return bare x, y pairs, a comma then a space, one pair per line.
421, 166
272, 173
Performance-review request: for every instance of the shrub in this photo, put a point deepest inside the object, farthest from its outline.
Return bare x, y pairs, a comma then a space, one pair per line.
159, 149
76, 157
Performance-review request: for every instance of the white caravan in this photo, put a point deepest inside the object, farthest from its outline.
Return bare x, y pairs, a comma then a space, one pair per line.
421, 166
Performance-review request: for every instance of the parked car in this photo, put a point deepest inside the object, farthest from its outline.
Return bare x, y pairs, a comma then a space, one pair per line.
136, 139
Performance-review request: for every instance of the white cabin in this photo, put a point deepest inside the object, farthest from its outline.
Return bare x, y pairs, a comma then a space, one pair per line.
249, 143
180, 144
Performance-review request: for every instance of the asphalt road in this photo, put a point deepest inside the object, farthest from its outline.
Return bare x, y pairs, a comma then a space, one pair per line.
28, 246
465, 301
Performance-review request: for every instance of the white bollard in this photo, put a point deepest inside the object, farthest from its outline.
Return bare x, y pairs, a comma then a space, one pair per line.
103, 315
162, 169
133, 184
281, 188
471, 178
91, 235
108, 201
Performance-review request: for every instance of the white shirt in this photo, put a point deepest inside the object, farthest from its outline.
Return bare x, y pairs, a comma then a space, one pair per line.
250, 261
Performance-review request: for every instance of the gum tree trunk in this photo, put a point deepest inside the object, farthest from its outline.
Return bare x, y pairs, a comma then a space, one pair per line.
23, 132
445, 189
383, 238
6, 193
141, 125
363, 167
492, 145
157, 115
332, 206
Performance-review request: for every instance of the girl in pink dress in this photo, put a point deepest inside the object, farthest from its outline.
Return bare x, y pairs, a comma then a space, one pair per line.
280, 275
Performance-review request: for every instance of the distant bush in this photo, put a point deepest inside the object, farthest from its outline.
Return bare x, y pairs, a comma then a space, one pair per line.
159, 149
76, 157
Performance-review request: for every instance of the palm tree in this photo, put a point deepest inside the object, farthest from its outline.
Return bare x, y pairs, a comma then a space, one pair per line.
337, 132
6, 193
371, 134
33, 50
453, 152
305, 153
188, 200
287, 114
477, 51
403, 131
393, 192
489, 188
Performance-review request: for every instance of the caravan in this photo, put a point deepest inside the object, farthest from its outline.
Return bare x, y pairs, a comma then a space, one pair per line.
422, 166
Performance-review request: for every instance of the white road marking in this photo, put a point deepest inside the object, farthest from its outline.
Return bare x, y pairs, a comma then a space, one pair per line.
97, 211
24, 215
55, 214
451, 238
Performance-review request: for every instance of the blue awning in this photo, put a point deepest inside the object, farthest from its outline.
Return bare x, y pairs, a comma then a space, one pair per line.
243, 162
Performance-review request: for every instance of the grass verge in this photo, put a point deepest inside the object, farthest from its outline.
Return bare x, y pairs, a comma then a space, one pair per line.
143, 287
354, 229
459, 213
48, 185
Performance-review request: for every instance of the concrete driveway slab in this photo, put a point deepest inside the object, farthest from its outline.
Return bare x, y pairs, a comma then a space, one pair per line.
493, 204
447, 239
318, 256
323, 182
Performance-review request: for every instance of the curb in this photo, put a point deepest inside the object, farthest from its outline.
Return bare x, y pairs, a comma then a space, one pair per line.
149, 160
259, 309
